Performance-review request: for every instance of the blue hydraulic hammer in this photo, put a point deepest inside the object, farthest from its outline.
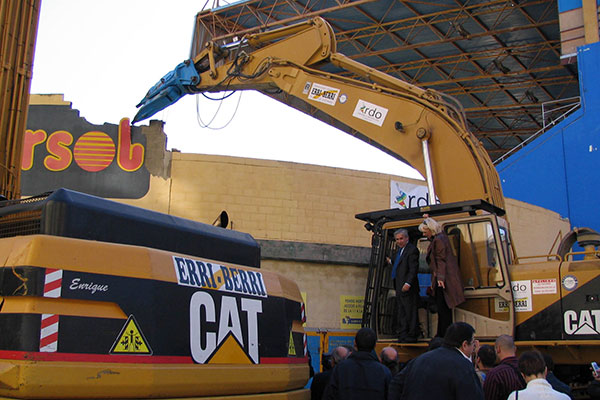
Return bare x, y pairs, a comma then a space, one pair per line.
168, 90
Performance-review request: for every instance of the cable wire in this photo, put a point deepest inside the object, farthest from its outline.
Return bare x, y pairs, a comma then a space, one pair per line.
202, 124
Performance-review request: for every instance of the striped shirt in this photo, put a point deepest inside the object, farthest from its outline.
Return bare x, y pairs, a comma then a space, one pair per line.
503, 379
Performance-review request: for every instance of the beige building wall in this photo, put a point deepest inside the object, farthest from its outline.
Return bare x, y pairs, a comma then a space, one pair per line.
291, 202
278, 200
535, 230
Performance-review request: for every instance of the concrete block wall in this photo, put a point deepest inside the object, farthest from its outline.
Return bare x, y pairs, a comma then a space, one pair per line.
323, 285
278, 200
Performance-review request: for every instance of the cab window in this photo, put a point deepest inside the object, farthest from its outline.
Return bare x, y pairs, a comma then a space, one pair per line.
476, 248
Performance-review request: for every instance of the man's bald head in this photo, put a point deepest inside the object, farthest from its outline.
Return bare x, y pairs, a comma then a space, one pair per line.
339, 354
389, 354
505, 347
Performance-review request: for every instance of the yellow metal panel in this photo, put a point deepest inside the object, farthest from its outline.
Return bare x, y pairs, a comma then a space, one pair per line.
65, 380
46, 305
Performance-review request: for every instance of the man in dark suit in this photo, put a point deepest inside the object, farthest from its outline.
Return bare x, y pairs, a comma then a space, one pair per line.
405, 265
445, 373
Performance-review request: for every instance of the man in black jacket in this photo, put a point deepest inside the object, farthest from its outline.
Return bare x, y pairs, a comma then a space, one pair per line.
405, 266
446, 373
361, 375
321, 380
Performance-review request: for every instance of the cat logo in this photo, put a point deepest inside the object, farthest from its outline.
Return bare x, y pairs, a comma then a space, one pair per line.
131, 340
587, 322
217, 334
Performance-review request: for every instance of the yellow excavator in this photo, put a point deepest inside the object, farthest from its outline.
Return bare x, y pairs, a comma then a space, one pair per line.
102, 300
550, 302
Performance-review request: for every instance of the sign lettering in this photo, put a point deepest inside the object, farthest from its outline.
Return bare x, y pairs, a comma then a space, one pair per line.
209, 275
323, 94
93, 151
76, 284
586, 322
370, 112
205, 342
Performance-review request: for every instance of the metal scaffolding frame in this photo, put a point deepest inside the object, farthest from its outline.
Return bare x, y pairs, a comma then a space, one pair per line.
500, 58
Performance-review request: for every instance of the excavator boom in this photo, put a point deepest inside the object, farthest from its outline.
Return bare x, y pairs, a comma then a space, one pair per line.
421, 127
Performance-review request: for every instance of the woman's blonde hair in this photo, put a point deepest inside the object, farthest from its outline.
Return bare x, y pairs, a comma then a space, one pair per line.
432, 225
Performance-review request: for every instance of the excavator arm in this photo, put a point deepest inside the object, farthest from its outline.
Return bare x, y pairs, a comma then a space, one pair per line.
421, 127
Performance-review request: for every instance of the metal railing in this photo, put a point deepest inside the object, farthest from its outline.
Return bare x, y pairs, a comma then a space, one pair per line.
552, 113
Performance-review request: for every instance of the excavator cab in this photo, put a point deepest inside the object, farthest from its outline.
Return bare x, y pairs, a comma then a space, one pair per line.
481, 243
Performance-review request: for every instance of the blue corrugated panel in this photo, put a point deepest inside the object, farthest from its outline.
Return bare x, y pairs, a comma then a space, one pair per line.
559, 169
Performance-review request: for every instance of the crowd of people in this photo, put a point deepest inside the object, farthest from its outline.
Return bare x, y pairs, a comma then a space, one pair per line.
454, 367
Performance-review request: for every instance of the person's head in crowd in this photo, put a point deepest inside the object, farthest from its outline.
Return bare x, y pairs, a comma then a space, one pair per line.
338, 355
334, 357
365, 339
532, 365
430, 227
486, 357
435, 343
461, 336
389, 358
505, 347
349, 348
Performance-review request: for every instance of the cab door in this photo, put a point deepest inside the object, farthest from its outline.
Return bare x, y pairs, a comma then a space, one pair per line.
481, 246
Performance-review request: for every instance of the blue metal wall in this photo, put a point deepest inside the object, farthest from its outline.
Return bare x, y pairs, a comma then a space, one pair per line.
559, 170
568, 5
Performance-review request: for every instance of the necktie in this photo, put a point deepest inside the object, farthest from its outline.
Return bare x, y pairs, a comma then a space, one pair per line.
396, 262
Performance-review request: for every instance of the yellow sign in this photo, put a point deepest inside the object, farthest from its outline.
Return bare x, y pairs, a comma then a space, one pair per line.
130, 340
351, 310
291, 347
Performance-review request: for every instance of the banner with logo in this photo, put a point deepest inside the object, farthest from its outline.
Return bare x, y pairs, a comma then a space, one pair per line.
62, 149
407, 195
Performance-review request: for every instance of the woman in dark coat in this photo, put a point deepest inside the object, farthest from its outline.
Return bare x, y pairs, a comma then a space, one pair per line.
446, 282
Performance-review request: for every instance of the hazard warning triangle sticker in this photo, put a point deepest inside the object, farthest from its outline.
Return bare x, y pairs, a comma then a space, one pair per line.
131, 340
291, 347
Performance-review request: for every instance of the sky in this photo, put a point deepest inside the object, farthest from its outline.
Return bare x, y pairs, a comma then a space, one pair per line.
103, 56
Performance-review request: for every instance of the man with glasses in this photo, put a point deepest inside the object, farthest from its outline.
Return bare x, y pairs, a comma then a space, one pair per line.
446, 373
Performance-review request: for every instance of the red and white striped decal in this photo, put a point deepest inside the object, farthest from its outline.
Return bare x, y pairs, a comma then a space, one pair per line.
303, 317
305, 346
49, 327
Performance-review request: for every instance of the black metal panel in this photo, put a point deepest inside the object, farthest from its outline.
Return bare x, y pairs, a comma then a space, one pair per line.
396, 214
72, 214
